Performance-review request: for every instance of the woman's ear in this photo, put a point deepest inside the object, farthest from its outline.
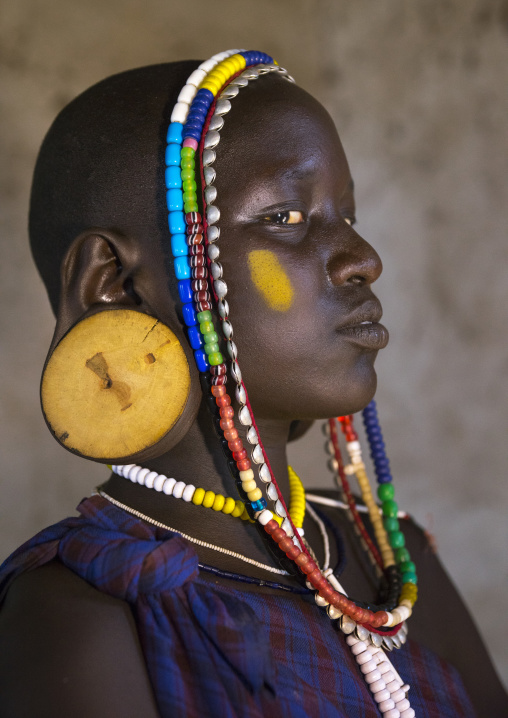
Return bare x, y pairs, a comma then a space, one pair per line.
98, 272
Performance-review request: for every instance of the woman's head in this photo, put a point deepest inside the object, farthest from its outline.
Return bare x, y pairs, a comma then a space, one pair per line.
298, 274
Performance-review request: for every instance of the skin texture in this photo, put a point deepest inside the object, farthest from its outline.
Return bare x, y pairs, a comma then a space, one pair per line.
298, 365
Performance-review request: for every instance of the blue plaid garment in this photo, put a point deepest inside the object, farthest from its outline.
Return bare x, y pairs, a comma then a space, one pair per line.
221, 651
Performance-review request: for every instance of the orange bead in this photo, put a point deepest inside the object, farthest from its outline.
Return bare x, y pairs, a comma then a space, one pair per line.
224, 400
218, 390
227, 412
243, 465
231, 434
226, 424
271, 526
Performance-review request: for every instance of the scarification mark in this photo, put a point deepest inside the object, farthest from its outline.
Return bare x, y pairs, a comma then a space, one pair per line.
122, 391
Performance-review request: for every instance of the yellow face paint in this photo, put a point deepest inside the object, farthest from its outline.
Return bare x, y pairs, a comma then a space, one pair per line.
271, 280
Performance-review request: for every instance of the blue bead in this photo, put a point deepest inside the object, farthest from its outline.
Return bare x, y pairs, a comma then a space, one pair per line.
185, 290
179, 246
173, 154
206, 95
195, 338
174, 199
177, 223
258, 505
383, 478
174, 132
197, 113
382, 463
182, 267
202, 362
189, 314
195, 122
173, 177
194, 133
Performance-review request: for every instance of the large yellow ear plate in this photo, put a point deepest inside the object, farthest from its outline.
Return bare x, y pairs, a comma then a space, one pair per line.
115, 384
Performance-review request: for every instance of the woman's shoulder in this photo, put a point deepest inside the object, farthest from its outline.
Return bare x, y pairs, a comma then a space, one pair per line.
74, 645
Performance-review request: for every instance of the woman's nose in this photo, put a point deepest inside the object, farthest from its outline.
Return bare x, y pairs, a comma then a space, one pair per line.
354, 262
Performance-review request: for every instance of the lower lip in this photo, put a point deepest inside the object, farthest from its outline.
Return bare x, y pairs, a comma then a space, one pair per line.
371, 336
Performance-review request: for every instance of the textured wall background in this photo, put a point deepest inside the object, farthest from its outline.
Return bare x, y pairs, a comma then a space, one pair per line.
418, 91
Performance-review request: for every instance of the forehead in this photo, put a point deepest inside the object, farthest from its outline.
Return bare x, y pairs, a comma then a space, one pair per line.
275, 128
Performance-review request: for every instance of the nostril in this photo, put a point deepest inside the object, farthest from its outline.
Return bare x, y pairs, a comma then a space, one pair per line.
357, 279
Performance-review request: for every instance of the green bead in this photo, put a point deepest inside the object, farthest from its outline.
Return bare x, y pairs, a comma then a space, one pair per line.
409, 577
396, 539
205, 327
189, 186
187, 152
211, 348
190, 207
190, 197
390, 508
187, 174
205, 316
385, 492
215, 359
401, 555
391, 524
188, 163
407, 566
210, 337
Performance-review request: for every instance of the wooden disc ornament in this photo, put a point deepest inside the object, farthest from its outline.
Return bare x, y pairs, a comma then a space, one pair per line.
115, 385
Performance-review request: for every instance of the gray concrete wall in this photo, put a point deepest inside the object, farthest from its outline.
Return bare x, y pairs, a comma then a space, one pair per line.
418, 91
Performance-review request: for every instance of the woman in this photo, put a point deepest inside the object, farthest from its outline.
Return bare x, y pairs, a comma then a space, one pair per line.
109, 614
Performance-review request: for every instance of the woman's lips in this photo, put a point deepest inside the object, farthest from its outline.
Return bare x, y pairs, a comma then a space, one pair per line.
370, 335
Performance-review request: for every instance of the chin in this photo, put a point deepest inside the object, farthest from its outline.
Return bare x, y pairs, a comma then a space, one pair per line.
355, 395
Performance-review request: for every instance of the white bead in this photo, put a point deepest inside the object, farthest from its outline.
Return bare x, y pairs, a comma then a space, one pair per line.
409, 713
222, 107
390, 621
244, 416
230, 92
289, 530
168, 486
384, 667
257, 454
387, 705
213, 216
216, 123
394, 688
133, 473
394, 713
320, 601
213, 253
223, 308
350, 640
188, 492
208, 157
402, 705
216, 269
404, 613
264, 517
379, 685
220, 286
334, 613
212, 139
179, 113
208, 65
235, 368
197, 77
178, 489
252, 436
209, 175
280, 510
348, 625
271, 492
358, 647
240, 394
382, 695
264, 473
159, 482
150, 479
140, 478
364, 657
373, 677
125, 469
210, 194
232, 349
368, 667
333, 465
213, 233
187, 94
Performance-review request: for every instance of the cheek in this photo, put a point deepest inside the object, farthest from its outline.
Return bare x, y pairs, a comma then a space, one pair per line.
270, 280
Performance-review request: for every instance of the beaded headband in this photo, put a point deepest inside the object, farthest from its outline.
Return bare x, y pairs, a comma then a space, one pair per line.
193, 136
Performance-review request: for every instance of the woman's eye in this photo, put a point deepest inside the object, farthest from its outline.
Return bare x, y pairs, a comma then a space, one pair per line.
289, 217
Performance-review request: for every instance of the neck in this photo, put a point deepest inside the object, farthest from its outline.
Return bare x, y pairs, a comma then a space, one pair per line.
198, 460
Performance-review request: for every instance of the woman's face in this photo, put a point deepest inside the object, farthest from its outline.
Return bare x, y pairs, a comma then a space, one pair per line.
298, 274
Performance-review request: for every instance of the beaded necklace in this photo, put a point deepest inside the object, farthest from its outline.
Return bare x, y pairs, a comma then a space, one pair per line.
196, 121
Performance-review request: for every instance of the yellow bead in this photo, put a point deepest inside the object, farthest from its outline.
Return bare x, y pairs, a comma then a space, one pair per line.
218, 502
240, 59
239, 509
245, 516
213, 86
246, 475
229, 506
255, 495
277, 518
198, 497
229, 67
249, 485
220, 72
208, 500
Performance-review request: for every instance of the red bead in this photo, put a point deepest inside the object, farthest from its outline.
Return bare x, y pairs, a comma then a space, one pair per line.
314, 577
231, 434
201, 296
271, 526
285, 544
355, 613
227, 412
198, 285
243, 465
293, 552
197, 261
196, 249
195, 228
309, 567
226, 423
380, 618
237, 455
235, 445
278, 534
192, 217
204, 306
327, 592
338, 601
199, 273
196, 238
218, 370
224, 400
218, 391
302, 560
